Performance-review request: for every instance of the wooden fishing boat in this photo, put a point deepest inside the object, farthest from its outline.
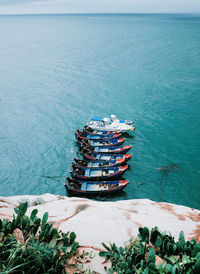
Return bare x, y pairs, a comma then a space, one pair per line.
107, 158
110, 143
111, 123
94, 188
81, 135
98, 164
92, 131
97, 174
106, 150
94, 165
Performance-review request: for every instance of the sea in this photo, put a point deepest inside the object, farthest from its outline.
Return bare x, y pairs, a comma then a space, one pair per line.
58, 71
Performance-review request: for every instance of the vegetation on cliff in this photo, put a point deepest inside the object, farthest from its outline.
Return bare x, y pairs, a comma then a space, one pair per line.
31, 245
154, 252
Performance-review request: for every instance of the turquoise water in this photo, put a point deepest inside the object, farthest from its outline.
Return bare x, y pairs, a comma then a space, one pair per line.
56, 71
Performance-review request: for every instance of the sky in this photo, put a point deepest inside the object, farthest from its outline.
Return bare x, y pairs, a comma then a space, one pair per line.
98, 6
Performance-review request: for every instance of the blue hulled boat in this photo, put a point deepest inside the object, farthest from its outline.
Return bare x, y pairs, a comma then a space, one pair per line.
106, 150
107, 158
93, 165
101, 143
80, 135
98, 164
94, 188
92, 131
89, 174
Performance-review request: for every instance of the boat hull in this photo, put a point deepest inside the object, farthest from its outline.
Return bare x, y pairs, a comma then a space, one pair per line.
120, 129
95, 188
98, 157
94, 193
109, 124
88, 175
95, 137
99, 132
99, 164
108, 150
101, 143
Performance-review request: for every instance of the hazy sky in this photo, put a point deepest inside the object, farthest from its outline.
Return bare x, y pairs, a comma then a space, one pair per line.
98, 6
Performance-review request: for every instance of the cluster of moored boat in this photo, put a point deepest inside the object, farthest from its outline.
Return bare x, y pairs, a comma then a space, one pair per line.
104, 157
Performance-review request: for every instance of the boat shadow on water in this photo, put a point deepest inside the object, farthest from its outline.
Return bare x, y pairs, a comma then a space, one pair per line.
128, 135
121, 195
165, 171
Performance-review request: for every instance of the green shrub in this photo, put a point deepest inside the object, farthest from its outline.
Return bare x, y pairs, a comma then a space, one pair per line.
31, 245
140, 255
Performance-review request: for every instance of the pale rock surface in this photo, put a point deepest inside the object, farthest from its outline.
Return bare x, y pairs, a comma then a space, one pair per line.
116, 222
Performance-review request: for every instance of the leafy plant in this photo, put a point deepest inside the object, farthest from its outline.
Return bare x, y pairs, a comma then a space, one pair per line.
141, 255
31, 245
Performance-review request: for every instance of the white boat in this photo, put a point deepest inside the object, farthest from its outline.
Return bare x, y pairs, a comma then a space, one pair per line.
110, 124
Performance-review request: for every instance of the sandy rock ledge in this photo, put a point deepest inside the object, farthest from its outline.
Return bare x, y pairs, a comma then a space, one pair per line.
96, 222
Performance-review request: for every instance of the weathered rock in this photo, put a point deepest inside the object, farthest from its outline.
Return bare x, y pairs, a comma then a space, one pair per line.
96, 222
18, 235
